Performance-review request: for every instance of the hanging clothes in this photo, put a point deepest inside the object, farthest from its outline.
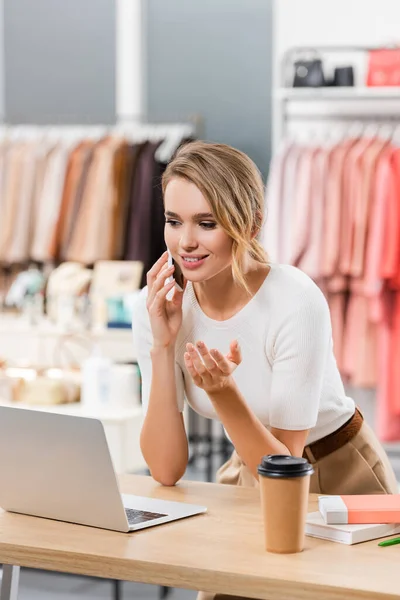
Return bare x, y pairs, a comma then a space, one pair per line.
335, 211
83, 195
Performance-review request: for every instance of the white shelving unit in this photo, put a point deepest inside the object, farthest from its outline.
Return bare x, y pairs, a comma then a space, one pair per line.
39, 345
332, 104
122, 428
19, 341
339, 93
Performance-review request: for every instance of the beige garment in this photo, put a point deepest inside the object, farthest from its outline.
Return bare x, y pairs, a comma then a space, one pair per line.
73, 180
45, 150
19, 246
49, 200
3, 171
91, 239
11, 189
359, 467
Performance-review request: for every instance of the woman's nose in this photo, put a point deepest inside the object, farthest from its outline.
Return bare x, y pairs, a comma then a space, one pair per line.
188, 239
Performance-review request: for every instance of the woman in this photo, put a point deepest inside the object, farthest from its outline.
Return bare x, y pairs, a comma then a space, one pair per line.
248, 342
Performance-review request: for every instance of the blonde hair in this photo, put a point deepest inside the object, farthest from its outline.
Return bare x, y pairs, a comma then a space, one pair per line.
232, 184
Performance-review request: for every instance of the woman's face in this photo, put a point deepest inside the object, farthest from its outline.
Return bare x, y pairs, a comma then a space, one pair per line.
198, 244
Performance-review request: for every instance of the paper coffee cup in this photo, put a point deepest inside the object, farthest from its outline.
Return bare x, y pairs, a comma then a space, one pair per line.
284, 487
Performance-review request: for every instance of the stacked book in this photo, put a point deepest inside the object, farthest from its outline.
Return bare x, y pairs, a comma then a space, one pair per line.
354, 519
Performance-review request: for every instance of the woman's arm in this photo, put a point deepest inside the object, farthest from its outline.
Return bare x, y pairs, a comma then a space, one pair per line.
163, 438
155, 325
251, 439
300, 345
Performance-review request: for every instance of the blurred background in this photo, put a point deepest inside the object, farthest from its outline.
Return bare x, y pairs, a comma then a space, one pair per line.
95, 97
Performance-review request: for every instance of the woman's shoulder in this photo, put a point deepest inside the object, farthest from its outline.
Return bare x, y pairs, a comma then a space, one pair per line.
291, 289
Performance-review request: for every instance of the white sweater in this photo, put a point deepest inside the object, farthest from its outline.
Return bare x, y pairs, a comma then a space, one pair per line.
288, 374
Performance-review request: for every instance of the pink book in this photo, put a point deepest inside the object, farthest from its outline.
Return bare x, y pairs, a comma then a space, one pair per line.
371, 508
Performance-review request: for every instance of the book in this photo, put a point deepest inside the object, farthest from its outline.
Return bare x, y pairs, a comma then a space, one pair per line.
371, 508
348, 534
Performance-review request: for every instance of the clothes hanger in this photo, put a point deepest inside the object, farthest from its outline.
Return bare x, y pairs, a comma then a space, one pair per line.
386, 131
396, 134
371, 130
356, 129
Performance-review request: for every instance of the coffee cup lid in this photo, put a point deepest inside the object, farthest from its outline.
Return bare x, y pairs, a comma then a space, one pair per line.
281, 465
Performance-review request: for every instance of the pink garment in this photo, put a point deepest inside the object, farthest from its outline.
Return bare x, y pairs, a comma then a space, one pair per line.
387, 421
384, 194
368, 160
287, 228
337, 302
333, 208
362, 351
303, 204
271, 231
336, 283
394, 400
391, 265
310, 261
384, 304
352, 186
391, 270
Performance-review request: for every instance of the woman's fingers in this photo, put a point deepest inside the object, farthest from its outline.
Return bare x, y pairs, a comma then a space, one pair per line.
221, 361
190, 367
206, 357
159, 298
159, 282
235, 354
156, 268
196, 360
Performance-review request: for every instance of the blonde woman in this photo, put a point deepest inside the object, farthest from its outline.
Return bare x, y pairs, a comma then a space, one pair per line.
248, 342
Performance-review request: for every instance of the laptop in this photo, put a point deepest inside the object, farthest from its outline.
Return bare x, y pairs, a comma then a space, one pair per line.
59, 467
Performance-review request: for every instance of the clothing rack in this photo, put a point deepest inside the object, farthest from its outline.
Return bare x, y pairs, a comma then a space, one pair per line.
134, 127
206, 445
392, 119
307, 110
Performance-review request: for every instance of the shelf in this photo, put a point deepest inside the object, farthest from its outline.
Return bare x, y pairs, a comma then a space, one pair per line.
105, 414
338, 93
19, 326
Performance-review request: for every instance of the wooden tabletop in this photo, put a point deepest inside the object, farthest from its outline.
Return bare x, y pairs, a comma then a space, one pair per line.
220, 551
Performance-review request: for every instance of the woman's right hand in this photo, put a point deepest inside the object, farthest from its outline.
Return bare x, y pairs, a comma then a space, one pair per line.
165, 315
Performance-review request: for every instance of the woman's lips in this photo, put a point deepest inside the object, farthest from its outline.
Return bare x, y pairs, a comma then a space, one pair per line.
193, 264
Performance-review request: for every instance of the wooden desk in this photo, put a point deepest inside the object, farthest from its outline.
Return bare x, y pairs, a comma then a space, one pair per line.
221, 551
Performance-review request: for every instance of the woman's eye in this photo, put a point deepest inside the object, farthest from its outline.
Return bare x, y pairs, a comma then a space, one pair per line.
208, 225
172, 223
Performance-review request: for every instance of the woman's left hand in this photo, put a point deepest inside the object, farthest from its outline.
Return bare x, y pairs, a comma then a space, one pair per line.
210, 369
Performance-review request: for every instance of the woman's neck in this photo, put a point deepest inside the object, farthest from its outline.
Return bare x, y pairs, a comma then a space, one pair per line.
221, 297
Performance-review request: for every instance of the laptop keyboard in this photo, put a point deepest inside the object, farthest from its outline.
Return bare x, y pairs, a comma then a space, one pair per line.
141, 516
